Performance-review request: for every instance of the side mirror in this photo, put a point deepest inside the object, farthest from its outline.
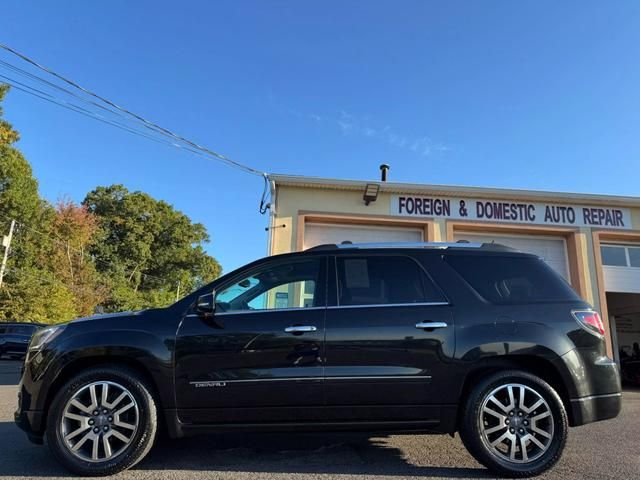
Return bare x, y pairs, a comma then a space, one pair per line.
206, 304
206, 307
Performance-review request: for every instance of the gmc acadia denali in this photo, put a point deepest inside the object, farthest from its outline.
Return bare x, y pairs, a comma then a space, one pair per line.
433, 338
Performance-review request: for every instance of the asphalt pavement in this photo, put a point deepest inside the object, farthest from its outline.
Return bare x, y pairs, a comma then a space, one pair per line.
605, 450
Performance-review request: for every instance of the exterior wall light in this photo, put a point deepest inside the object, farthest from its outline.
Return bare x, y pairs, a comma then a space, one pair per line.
370, 193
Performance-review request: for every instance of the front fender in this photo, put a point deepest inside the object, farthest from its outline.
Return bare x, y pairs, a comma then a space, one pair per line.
139, 348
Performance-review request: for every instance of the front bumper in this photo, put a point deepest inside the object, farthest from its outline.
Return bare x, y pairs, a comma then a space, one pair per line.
32, 423
595, 408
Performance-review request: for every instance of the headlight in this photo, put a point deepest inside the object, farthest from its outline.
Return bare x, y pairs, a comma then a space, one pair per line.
41, 337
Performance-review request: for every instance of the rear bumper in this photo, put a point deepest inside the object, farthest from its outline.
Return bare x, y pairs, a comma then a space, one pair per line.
595, 408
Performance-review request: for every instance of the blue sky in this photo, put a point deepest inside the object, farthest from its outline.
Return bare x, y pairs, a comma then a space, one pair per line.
527, 94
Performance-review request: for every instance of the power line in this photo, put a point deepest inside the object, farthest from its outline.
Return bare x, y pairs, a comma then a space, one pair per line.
51, 98
36, 78
138, 118
128, 116
74, 108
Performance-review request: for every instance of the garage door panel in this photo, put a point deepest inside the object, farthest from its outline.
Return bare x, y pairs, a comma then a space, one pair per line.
621, 279
621, 268
552, 249
323, 233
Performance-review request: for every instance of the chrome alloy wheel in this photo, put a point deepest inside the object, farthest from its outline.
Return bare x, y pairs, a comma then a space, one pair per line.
516, 423
99, 421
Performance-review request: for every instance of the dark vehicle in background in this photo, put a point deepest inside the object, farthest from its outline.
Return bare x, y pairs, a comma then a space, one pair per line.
427, 338
14, 338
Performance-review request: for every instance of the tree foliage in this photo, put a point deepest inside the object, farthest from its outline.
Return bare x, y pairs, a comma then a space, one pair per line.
7, 134
150, 244
117, 250
74, 229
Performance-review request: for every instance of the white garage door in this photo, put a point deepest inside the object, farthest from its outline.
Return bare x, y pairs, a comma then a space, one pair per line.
321, 233
621, 268
552, 249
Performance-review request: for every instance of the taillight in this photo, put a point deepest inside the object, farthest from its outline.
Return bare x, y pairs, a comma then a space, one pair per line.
590, 321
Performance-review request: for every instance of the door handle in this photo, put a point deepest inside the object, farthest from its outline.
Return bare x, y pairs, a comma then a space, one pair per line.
300, 329
430, 325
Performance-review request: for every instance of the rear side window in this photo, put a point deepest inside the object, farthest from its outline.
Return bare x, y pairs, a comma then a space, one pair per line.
509, 280
380, 280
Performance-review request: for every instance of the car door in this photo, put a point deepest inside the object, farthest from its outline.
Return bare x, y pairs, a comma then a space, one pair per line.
389, 336
258, 358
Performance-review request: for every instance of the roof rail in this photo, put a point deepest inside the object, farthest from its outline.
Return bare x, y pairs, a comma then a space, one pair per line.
437, 245
324, 246
434, 245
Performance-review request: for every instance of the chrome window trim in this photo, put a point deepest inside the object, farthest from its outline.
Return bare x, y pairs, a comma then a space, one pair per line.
331, 307
382, 305
269, 310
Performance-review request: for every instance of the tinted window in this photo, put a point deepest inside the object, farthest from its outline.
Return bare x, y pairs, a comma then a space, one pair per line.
282, 285
22, 329
634, 256
613, 256
378, 280
512, 279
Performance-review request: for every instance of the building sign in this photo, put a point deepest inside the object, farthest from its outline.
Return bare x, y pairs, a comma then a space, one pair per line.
282, 300
510, 211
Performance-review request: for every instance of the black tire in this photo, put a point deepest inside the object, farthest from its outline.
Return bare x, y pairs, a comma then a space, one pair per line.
141, 440
473, 426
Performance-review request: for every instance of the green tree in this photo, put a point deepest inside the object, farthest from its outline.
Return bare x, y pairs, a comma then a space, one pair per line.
7, 134
119, 249
146, 248
74, 228
30, 291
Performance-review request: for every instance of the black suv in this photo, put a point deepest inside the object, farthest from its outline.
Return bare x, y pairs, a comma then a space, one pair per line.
15, 337
433, 338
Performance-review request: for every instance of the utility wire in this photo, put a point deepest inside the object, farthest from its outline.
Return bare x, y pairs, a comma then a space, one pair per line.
36, 78
51, 98
77, 109
135, 116
190, 146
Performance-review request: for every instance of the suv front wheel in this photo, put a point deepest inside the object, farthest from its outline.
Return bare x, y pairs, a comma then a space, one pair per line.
102, 421
515, 424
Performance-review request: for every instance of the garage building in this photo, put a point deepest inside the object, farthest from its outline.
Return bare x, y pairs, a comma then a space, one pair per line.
591, 240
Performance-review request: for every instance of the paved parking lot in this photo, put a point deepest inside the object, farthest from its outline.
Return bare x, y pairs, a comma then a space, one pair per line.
609, 450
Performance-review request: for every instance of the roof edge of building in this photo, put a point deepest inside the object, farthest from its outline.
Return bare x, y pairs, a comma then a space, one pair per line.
452, 190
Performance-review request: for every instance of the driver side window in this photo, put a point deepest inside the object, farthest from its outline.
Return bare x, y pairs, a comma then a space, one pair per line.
275, 286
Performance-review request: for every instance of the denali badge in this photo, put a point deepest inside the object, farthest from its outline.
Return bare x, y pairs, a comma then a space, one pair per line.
208, 384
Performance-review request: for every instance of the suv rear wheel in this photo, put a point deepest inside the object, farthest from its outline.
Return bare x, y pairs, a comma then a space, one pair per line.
514, 424
102, 421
